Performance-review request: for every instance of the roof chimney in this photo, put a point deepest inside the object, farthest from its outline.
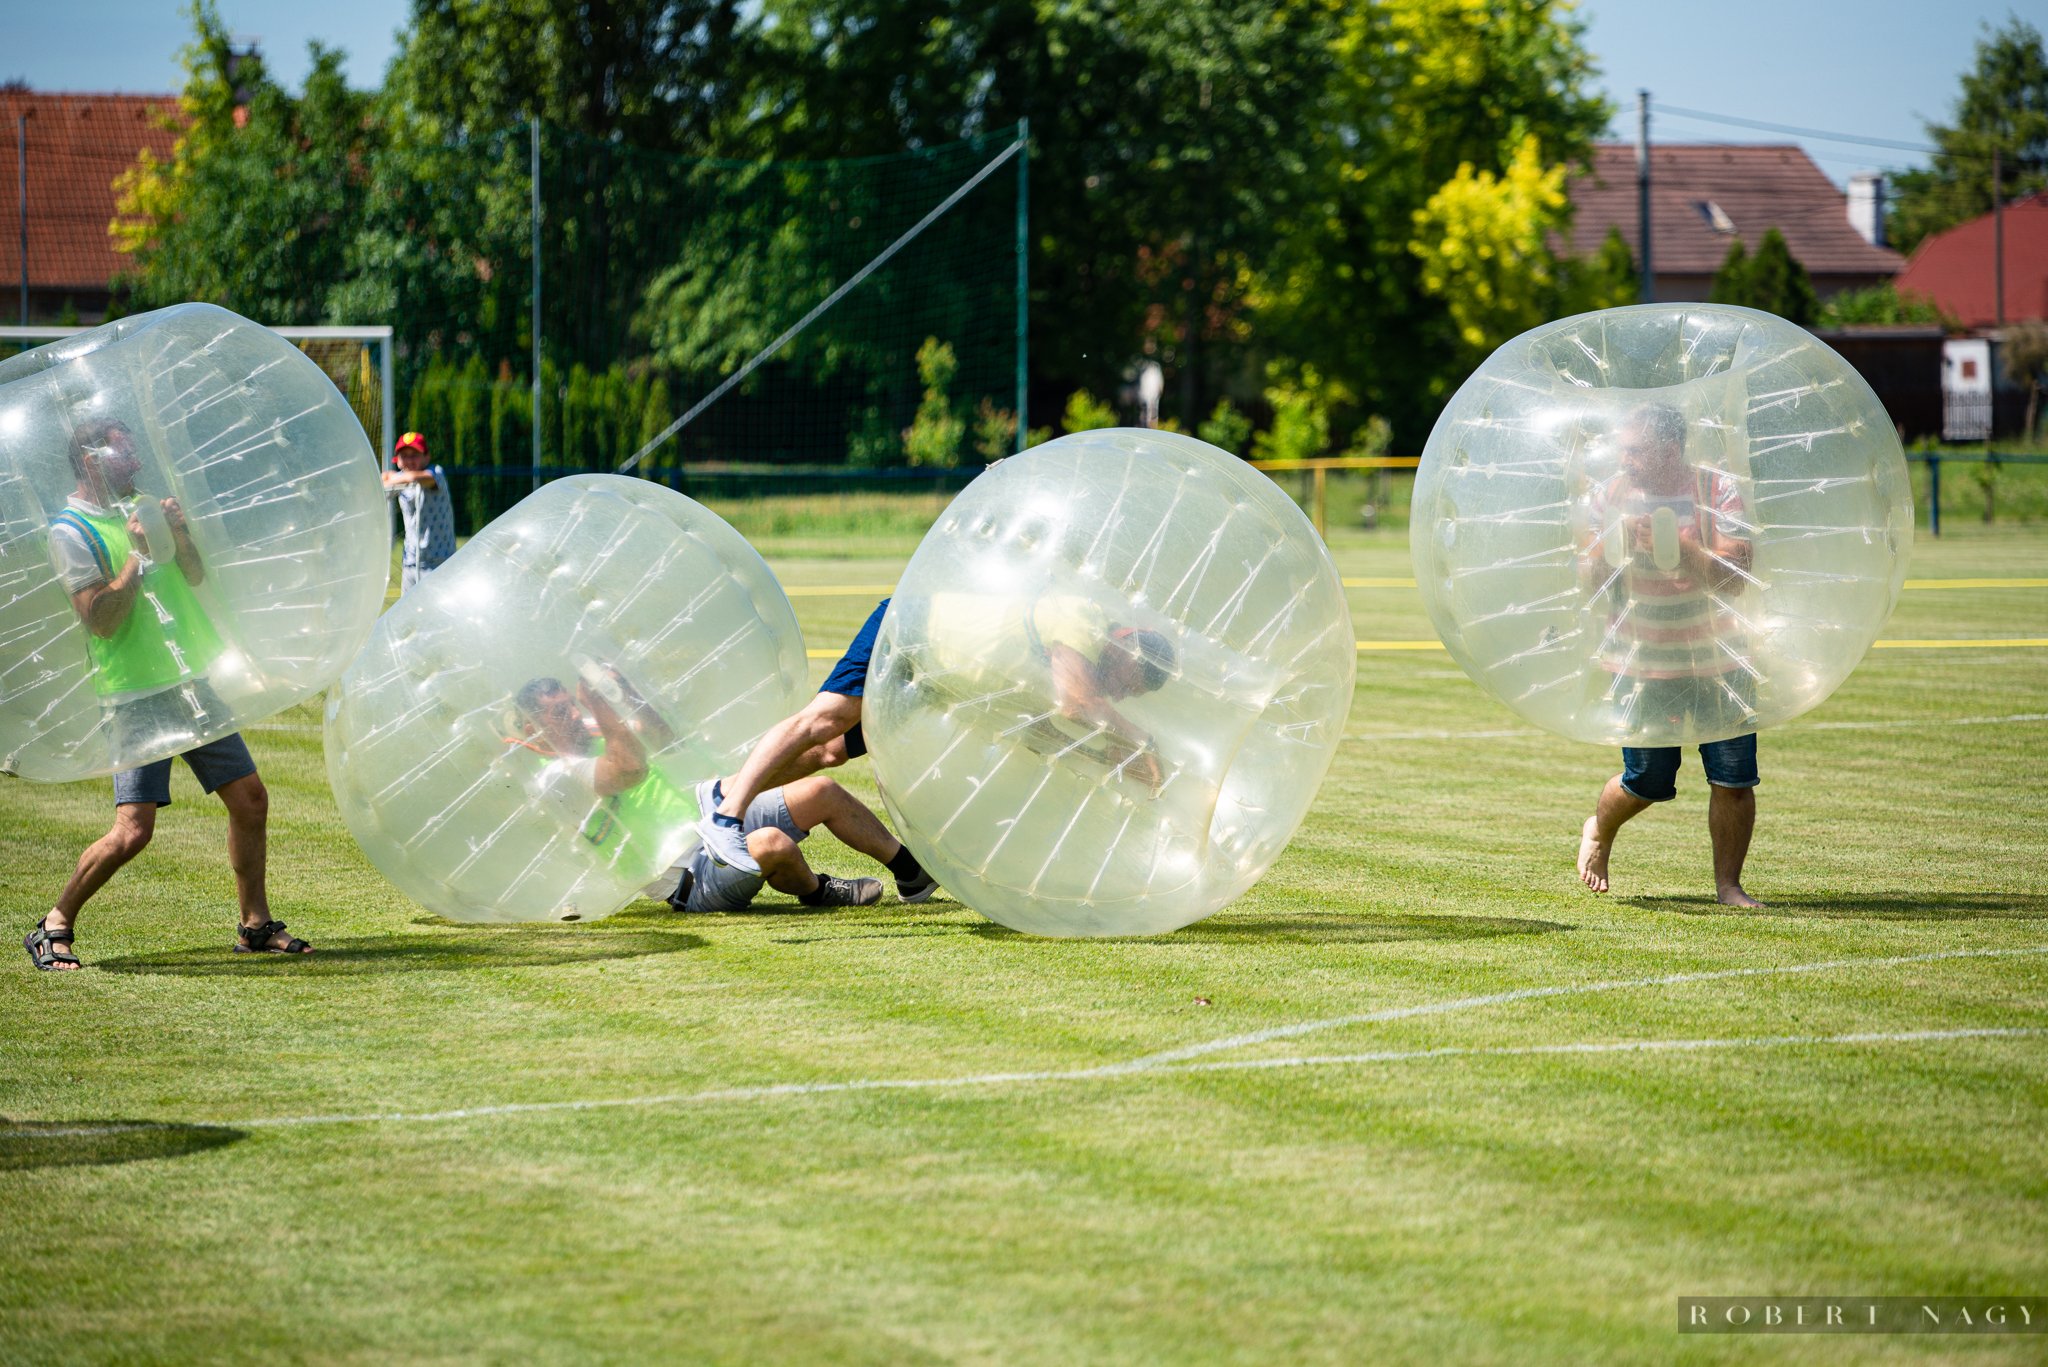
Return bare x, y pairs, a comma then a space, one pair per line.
1866, 206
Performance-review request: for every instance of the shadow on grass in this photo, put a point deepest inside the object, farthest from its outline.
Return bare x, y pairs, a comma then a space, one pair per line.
83, 1143
438, 951
1300, 928
1871, 906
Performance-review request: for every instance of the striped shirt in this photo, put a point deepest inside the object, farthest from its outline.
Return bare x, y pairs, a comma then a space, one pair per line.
1663, 620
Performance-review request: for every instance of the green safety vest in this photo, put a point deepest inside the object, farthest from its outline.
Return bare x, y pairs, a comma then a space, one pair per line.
643, 818
166, 638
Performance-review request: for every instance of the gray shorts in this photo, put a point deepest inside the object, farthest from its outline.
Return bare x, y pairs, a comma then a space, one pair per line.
718, 888
215, 764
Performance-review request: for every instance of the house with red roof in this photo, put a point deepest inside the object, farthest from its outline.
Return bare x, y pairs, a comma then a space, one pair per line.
1706, 196
1958, 269
72, 147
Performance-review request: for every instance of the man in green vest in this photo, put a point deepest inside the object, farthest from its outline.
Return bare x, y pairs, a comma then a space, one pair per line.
594, 745
130, 565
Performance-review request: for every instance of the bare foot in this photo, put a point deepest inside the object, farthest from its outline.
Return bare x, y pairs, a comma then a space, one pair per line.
1593, 853
1734, 896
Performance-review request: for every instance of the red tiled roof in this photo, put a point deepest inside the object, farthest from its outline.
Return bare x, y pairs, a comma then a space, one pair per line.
1955, 269
77, 144
1756, 186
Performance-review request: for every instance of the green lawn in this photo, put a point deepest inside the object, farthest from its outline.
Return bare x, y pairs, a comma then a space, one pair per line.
1089, 1162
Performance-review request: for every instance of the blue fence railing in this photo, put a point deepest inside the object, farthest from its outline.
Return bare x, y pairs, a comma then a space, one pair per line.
1935, 459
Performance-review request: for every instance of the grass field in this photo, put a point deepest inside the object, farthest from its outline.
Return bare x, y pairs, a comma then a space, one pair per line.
1366, 1114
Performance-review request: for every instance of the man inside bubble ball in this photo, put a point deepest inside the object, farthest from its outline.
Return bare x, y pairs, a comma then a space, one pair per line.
1667, 554
1092, 661
596, 757
129, 563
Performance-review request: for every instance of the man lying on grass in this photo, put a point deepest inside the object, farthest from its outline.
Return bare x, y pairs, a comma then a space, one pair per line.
593, 752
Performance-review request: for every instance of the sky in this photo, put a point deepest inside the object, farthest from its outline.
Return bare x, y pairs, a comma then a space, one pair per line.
1870, 68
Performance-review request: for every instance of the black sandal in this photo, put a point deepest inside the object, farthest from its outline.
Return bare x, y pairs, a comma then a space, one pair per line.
256, 940
40, 944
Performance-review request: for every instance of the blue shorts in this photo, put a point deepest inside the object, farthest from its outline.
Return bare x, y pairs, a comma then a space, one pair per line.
849, 678
215, 764
1652, 775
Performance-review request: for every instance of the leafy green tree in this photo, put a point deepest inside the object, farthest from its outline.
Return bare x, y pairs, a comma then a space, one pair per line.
1481, 239
2024, 355
1731, 278
1301, 421
256, 206
1226, 428
1086, 413
1413, 90
1880, 304
1607, 281
2003, 107
934, 435
1772, 280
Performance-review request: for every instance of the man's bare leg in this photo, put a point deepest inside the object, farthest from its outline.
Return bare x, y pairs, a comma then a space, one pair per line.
820, 801
827, 717
782, 863
134, 823
1731, 819
1596, 838
248, 804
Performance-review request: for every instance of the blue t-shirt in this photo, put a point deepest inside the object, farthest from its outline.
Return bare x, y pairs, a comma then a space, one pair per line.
429, 516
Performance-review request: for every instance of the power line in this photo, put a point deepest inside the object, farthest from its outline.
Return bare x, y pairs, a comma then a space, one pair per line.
2014, 159
1820, 133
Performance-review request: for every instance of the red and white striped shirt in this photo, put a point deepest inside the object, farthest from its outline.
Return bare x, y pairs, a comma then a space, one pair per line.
1665, 622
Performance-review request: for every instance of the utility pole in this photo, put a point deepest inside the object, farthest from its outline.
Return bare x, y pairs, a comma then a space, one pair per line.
533, 131
1646, 290
1997, 240
1023, 279
21, 171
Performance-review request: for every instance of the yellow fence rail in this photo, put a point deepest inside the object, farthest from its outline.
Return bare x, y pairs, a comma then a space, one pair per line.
1318, 471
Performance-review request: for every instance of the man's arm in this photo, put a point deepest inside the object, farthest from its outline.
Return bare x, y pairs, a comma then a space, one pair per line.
623, 764
187, 554
105, 605
1078, 699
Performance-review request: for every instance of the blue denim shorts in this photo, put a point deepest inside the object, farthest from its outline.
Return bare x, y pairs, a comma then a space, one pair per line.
215, 764
1652, 775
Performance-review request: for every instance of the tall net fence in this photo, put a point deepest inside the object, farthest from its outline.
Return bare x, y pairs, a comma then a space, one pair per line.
659, 278
662, 276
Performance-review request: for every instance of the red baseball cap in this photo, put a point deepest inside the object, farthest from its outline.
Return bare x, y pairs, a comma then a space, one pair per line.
411, 441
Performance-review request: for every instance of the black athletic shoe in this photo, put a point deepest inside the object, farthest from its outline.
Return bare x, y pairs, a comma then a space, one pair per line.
844, 892
918, 889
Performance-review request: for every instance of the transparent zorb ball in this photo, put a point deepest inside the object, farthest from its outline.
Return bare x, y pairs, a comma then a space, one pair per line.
522, 738
1109, 684
1661, 525
192, 538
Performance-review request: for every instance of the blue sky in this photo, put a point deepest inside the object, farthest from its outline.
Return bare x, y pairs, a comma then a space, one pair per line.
1876, 68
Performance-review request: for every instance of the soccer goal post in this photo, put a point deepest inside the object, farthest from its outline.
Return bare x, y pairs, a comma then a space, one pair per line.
357, 359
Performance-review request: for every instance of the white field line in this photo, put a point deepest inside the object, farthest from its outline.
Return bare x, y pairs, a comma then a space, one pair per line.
801, 1089
1394, 1013
1179, 1060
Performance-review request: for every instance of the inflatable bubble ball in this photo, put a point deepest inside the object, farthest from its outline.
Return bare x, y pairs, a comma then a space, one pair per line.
1109, 685
522, 737
192, 537
1661, 525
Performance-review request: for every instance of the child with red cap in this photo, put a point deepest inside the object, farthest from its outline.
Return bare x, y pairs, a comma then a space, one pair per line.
423, 502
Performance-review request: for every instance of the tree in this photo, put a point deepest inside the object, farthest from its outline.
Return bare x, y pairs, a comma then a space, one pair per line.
2003, 107
1881, 304
1772, 280
1415, 90
1606, 281
1481, 238
257, 206
2024, 354
1731, 278
1167, 143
